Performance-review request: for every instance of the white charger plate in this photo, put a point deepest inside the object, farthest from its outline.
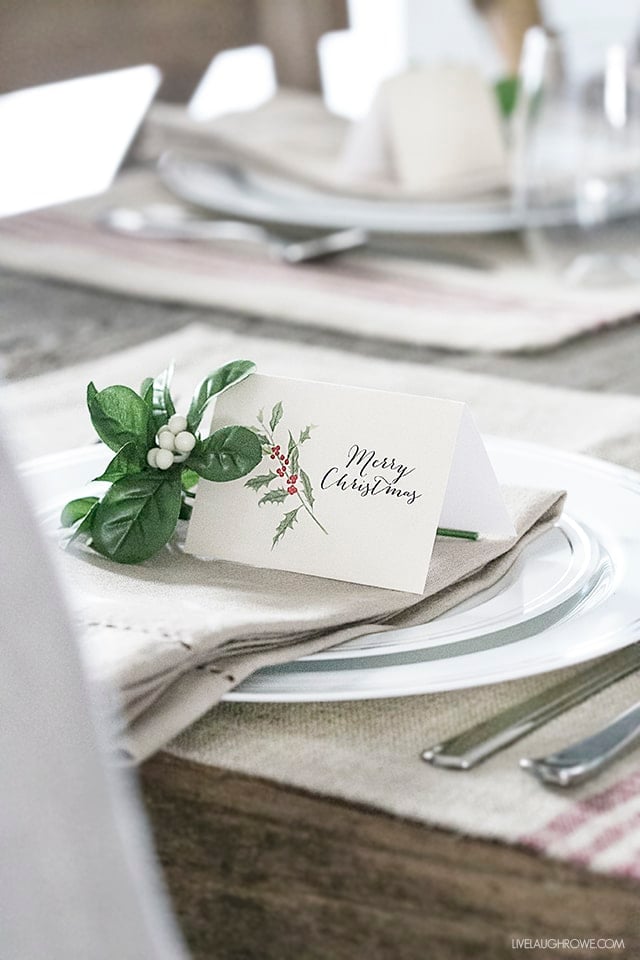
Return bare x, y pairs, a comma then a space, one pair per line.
571, 596
252, 195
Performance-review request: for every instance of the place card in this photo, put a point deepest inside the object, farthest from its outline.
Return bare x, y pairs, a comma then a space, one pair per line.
353, 484
418, 131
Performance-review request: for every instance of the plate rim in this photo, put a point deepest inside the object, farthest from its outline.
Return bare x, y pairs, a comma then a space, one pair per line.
504, 217
606, 470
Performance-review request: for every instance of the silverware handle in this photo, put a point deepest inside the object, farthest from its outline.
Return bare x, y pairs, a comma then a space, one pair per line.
475, 744
584, 759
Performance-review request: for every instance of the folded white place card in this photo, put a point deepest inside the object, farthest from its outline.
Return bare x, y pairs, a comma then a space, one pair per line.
433, 130
353, 484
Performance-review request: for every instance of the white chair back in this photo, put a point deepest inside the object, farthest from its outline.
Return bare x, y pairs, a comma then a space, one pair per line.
78, 879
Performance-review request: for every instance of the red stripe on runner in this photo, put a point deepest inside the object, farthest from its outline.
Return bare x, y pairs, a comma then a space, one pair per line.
354, 280
581, 812
605, 839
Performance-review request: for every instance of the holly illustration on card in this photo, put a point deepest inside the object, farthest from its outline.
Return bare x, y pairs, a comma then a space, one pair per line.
287, 481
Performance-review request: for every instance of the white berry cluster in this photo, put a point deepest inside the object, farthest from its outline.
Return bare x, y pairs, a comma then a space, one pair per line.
174, 444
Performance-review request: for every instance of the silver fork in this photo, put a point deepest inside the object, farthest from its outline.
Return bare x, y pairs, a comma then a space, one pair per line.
585, 758
171, 222
475, 744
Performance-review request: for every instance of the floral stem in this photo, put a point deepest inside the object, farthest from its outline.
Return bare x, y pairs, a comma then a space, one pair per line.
458, 534
312, 514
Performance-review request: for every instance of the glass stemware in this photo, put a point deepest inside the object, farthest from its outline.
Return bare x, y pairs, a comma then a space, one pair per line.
576, 148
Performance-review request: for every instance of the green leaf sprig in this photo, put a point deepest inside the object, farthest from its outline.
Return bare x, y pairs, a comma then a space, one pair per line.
159, 458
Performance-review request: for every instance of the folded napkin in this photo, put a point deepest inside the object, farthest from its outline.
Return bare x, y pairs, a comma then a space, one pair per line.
175, 634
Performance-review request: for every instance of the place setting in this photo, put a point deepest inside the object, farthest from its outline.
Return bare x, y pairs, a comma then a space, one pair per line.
319, 464
302, 549
383, 225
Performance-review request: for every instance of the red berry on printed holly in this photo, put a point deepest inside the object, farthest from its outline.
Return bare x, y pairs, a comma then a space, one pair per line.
292, 490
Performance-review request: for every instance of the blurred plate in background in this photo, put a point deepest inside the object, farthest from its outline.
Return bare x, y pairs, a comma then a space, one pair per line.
222, 187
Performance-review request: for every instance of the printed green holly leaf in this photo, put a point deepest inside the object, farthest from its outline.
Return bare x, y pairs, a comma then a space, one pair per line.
263, 480
306, 433
285, 524
137, 516
306, 486
120, 416
292, 455
215, 384
274, 496
228, 454
76, 510
276, 416
127, 460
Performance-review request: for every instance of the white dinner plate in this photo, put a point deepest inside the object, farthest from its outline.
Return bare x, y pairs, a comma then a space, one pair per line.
572, 595
251, 195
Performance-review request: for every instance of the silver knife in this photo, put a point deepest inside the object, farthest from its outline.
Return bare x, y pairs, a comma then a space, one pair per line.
587, 757
475, 744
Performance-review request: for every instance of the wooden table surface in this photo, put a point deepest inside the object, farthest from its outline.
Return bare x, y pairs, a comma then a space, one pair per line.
258, 870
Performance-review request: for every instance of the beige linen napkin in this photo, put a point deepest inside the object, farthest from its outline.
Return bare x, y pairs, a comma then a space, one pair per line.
174, 634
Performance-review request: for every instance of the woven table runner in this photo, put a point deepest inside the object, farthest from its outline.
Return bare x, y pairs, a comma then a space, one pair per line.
510, 306
368, 751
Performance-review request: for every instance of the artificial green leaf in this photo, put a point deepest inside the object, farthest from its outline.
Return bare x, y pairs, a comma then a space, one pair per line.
285, 524
189, 479
276, 416
215, 384
263, 480
306, 486
228, 454
128, 459
262, 437
274, 496
120, 416
76, 510
85, 528
306, 433
506, 90
292, 455
146, 390
162, 406
137, 516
